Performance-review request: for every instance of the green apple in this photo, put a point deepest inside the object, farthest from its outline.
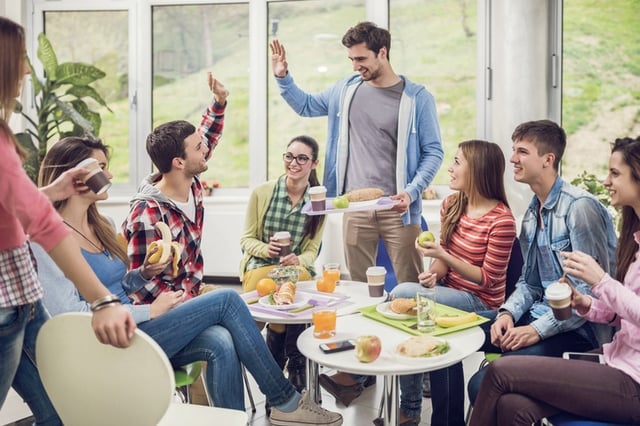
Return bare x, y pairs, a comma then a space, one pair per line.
426, 237
340, 202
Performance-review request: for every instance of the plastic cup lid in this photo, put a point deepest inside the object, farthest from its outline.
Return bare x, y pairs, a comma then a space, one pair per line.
558, 291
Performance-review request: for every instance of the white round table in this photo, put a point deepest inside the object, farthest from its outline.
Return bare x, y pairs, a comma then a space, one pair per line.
463, 343
350, 296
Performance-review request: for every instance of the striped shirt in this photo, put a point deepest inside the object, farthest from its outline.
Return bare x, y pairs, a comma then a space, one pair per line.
484, 242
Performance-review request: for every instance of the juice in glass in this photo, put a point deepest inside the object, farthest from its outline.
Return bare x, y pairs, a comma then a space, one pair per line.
330, 275
324, 323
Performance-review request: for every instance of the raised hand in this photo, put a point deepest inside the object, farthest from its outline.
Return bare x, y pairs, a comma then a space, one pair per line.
220, 93
278, 59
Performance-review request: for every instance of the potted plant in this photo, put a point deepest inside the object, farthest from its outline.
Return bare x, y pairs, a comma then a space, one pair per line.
593, 185
59, 100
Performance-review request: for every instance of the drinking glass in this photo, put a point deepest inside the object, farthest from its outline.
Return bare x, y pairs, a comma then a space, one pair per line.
426, 308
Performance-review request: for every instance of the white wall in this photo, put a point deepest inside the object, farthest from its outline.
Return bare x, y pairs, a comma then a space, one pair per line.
224, 223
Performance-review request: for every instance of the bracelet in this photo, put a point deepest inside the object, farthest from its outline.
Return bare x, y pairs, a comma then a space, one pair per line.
110, 298
105, 305
615, 316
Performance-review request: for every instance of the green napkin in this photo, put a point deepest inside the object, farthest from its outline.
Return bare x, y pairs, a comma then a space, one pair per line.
405, 325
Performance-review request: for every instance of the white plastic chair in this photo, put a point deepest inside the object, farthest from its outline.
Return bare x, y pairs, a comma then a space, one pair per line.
94, 384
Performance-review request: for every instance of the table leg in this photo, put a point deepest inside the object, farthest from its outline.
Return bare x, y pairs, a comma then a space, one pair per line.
313, 386
391, 397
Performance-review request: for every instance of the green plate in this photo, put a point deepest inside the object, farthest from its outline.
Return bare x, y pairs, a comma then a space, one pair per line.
406, 325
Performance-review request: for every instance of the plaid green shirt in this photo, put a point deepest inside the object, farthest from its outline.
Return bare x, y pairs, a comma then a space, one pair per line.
281, 216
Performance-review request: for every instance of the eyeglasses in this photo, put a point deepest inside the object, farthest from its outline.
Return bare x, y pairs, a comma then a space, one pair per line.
300, 159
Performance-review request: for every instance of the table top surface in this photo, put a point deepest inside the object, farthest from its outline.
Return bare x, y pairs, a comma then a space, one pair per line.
348, 297
463, 343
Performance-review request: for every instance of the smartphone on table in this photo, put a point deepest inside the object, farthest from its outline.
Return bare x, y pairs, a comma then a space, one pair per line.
339, 346
584, 356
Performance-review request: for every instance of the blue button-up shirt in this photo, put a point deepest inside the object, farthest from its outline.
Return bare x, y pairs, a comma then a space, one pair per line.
571, 219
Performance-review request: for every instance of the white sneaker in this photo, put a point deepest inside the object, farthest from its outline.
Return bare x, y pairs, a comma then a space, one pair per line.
307, 413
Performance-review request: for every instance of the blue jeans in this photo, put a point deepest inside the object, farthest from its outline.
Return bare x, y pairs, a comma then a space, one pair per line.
569, 341
217, 327
19, 327
446, 411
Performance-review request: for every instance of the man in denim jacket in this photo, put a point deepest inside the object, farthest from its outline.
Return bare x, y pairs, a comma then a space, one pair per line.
560, 217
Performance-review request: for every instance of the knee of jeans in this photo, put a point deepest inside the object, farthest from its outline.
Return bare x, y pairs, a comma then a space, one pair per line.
406, 290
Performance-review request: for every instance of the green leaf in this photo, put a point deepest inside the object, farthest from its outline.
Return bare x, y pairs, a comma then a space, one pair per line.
47, 56
78, 74
87, 91
91, 116
69, 110
35, 81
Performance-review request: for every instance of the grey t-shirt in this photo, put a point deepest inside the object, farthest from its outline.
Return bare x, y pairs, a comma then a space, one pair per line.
373, 138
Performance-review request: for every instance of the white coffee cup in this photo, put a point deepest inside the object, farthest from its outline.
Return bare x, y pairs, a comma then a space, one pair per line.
559, 297
318, 196
96, 179
283, 238
375, 279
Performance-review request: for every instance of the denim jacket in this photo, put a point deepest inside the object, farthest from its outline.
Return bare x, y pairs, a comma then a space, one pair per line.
573, 220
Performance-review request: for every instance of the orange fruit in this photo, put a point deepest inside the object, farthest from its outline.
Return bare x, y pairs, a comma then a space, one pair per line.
265, 286
325, 285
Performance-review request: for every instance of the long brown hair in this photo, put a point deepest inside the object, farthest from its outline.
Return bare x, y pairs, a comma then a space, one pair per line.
486, 178
627, 247
12, 46
312, 223
66, 154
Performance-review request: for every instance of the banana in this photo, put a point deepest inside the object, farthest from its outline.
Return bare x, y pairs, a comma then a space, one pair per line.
453, 321
166, 247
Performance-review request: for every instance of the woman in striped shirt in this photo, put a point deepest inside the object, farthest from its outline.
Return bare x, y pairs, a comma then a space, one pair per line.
469, 266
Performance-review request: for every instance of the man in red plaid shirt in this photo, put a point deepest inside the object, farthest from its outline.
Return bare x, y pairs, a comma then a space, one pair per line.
173, 195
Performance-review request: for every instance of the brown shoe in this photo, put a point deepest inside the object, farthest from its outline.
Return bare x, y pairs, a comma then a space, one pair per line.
344, 394
407, 422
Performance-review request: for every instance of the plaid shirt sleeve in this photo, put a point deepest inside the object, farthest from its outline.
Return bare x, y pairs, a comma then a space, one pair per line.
139, 231
211, 125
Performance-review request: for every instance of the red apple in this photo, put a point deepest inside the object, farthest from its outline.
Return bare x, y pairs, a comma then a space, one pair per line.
368, 348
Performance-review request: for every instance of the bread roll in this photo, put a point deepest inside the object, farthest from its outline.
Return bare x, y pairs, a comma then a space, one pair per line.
364, 194
286, 294
402, 305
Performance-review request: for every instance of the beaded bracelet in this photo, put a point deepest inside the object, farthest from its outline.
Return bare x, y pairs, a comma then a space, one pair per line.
103, 301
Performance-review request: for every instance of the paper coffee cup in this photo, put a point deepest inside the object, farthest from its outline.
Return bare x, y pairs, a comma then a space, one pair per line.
318, 196
96, 179
559, 297
375, 279
283, 238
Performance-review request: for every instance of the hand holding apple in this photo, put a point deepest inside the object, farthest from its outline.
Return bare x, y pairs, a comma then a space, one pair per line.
368, 348
426, 237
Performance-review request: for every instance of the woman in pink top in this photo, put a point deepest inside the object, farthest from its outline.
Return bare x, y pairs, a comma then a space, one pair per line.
520, 390
24, 210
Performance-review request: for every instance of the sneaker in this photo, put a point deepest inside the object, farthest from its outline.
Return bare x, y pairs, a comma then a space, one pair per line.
307, 413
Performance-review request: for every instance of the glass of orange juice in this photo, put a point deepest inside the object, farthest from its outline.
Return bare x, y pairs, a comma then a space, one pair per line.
324, 323
330, 276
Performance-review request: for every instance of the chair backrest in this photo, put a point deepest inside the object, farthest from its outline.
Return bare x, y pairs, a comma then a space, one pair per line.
94, 384
514, 268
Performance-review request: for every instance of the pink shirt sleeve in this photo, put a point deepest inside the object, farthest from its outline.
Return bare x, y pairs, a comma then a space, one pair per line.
24, 210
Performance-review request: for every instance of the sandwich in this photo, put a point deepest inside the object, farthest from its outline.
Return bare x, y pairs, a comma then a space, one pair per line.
364, 194
402, 305
286, 294
422, 347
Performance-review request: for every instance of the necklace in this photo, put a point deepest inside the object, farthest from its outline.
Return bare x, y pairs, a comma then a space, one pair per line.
101, 250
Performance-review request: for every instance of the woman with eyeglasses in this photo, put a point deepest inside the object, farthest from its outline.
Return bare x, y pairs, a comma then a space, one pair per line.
276, 206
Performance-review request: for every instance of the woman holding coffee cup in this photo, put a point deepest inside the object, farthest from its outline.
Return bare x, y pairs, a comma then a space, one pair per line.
277, 233
604, 392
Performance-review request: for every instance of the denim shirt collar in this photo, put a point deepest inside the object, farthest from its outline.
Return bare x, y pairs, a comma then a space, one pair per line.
552, 198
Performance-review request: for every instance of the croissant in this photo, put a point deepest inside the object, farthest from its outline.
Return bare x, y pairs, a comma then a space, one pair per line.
286, 294
364, 194
402, 305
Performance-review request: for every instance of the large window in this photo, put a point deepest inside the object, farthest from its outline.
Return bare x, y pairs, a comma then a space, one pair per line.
100, 38
438, 50
316, 58
188, 41
601, 81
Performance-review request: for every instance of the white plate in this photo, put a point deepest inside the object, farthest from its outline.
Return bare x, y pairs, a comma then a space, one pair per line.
385, 310
298, 301
422, 359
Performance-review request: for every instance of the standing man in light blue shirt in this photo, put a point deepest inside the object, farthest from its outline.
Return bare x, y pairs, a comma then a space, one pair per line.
382, 132
561, 217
